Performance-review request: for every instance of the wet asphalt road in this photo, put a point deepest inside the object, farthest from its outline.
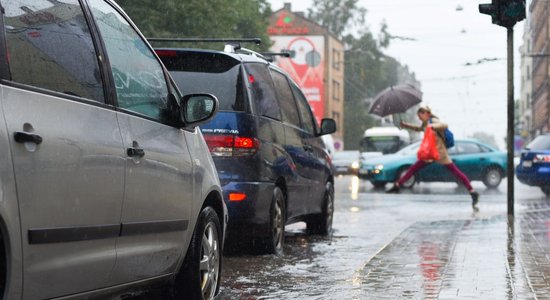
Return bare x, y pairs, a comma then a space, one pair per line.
373, 234
366, 220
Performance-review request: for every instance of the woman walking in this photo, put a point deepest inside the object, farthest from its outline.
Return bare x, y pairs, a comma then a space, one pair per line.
428, 119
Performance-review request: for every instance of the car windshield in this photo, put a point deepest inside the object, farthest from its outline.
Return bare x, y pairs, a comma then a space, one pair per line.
384, 144
348, 156
211, 73
541, 142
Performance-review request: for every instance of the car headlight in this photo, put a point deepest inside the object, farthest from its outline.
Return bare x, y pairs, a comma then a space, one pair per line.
377, 169
355, 165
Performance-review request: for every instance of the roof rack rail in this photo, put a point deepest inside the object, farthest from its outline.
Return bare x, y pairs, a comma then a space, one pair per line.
245, 51
256, 41
231, 45
269, 55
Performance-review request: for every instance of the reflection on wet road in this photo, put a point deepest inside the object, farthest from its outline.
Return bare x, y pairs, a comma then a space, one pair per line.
424, 243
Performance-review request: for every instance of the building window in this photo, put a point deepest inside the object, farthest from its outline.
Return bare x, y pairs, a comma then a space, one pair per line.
336, 117
336, 61
336, 90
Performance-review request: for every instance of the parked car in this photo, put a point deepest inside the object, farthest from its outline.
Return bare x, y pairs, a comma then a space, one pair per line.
534, 166
346, 162
477, 160
265, 142
106, 182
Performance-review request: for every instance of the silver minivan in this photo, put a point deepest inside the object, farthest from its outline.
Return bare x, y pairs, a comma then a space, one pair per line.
106, 183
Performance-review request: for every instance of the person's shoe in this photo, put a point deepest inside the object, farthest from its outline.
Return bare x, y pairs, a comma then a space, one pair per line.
475, 198
394, 189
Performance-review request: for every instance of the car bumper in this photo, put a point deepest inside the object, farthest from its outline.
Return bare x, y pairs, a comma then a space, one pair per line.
534, 176
250, 216
375, 175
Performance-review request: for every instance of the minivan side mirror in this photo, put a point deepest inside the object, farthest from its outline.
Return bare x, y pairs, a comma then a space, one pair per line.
198, 108
327, 126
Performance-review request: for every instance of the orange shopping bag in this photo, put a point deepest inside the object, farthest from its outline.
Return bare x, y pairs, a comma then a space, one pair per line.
428, 147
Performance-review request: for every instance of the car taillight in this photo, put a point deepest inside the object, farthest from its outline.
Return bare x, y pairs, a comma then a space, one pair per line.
541, 158
231, 145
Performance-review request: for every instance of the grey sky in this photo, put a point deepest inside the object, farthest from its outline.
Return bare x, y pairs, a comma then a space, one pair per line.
468, 98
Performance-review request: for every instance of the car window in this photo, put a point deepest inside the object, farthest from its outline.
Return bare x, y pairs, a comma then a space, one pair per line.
138, 75
262, 90
50, 46
286, 99
541, 142
212, 73
304, 110
410, 149
468, 148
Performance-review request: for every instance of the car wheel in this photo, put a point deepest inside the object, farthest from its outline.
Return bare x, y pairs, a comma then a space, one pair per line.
273, 243
492, 177
322, 223
199, 277
378, 184
409, 183
545, 190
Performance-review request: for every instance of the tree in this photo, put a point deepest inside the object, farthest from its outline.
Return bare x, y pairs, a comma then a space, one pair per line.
486, 138
337, 15
367, 69
198, 19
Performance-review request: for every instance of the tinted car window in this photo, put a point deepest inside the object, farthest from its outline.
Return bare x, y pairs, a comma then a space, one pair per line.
541, 142
286, 99
304, 110
208, 73
262, 90
139, 78
49, 46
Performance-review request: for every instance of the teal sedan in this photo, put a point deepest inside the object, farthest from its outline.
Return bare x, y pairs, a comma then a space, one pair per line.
477, 160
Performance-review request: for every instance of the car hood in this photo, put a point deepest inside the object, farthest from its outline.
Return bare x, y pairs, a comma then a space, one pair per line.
385, 159
369, 155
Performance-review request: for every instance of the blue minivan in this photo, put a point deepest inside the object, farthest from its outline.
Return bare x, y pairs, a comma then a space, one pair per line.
265, 142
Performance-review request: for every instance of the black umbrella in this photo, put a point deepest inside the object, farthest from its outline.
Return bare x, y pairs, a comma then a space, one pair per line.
395, 99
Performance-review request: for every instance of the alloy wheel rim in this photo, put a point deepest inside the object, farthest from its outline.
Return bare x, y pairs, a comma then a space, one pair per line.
278, 224
330, 211
210, 261
493, 177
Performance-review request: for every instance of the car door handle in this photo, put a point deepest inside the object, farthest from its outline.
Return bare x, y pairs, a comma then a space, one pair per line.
24, 137
135, 152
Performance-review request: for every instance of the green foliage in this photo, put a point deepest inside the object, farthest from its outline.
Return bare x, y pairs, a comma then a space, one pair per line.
201, 19
337, 15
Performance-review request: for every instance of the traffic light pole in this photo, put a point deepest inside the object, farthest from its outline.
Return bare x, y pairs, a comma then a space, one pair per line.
510, 131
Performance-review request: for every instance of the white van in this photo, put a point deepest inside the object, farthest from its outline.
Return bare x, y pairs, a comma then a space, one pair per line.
388, 139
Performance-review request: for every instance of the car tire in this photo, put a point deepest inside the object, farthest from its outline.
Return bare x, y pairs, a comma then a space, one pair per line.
321, 224
409, 183
199, 276
492, 177
274, 242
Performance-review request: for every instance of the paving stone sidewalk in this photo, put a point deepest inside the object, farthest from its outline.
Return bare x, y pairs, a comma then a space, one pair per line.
488, 258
